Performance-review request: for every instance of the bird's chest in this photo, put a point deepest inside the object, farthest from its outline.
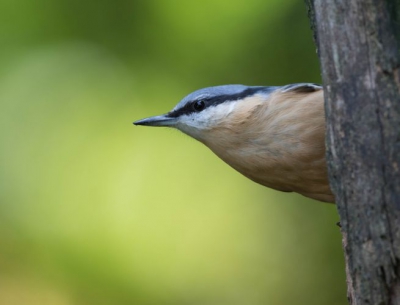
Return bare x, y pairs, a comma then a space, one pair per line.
260, 164
286, 165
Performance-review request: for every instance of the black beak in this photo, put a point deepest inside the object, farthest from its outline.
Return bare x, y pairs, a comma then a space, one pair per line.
159, 120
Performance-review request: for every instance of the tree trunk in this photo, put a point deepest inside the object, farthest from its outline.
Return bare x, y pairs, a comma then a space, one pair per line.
358, 47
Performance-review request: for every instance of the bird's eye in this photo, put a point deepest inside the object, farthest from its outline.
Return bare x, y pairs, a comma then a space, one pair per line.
199, 105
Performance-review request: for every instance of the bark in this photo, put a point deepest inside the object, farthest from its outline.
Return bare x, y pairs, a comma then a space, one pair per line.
358, 47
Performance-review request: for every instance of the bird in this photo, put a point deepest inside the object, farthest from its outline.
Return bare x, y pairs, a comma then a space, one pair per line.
273, 135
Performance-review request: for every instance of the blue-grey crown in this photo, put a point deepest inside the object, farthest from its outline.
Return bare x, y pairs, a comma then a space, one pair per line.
213, 96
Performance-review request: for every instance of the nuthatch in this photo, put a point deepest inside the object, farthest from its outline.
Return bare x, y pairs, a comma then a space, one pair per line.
274, 136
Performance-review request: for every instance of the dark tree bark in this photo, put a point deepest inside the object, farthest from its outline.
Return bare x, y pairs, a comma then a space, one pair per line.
358, 47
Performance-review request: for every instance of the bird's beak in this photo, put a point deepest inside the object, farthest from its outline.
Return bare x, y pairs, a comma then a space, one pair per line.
159, 120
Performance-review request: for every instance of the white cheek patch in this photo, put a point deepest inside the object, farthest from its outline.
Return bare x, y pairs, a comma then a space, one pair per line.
232, 106
194, 123
209, 117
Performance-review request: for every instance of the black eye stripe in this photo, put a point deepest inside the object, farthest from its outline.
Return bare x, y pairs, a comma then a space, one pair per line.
188, 108
199, 105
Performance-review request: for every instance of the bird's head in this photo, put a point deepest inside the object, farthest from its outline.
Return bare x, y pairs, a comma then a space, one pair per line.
207, 109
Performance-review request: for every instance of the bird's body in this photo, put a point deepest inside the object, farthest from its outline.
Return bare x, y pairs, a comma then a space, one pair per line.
275, 136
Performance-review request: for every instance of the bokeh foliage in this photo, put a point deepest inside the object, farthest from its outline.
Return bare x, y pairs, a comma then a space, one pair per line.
96, 211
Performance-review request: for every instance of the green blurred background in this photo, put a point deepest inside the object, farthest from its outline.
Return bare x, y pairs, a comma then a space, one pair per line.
96, 211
